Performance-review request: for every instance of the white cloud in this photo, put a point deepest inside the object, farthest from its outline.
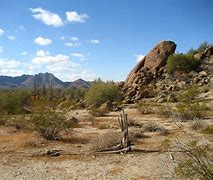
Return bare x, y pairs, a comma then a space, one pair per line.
24, 53
61, 66
73, 16
22, 28
47, 17
74, 38
12, 38
9, 63
1, 32
50, 59
79, 55
42, 53
71, 44
10, 67
139, 57
42, 41
62, 38
95, 41
1, 49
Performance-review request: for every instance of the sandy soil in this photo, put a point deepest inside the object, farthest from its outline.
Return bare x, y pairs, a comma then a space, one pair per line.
22, 153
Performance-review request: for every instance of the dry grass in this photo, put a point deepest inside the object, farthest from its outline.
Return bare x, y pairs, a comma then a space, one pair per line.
106, 140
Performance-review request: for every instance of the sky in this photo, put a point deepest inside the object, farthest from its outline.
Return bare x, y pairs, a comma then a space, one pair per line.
89, 39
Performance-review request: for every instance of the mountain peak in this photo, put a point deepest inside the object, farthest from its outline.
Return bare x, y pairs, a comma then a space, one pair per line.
43, 79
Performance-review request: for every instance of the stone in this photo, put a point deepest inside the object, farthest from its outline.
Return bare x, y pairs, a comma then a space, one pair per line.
155, 60
158, 55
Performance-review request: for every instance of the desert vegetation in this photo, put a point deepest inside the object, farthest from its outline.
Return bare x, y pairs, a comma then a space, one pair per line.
155, 115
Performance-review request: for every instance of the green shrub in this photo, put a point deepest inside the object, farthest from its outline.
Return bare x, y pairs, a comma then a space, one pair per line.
188, 95
14, 101
101, 91
191, 110
181, 63
50, 123
196, 163
203, 46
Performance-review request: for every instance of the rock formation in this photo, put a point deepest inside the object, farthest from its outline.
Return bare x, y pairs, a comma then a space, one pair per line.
148, 79
147, 70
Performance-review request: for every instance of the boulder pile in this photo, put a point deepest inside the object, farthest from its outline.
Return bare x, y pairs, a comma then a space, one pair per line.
148, 79
147, 71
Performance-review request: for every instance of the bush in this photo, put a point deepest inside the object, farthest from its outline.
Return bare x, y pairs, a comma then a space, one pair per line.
191, 110
203, 46
208, 129
14, 101
151, 127
101, 91
197, 161
181, 63
145, 108
50, 123
197, 125
189, 94
107, 140
134, 123
98, 112
135, 134
165, 111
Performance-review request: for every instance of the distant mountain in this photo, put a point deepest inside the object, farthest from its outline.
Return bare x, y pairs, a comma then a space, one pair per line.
80, 83
43, 79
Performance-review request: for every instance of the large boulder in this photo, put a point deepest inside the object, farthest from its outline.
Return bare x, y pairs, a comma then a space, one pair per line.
152, 62
147, 71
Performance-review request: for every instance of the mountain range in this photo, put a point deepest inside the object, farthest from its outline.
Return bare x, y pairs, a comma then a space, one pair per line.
41, 79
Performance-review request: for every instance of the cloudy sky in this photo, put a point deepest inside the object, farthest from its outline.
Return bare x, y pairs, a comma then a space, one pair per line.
95, 38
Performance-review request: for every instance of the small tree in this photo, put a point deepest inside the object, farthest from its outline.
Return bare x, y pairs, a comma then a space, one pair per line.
203, 46
101, 92
50, 123
182, 63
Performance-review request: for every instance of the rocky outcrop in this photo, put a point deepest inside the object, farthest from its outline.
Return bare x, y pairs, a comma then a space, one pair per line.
147, 71
151, 63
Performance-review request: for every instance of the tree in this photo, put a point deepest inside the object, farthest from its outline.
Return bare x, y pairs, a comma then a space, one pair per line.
101, 92
182, 63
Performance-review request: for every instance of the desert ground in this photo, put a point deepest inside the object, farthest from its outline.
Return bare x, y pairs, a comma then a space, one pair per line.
23, 152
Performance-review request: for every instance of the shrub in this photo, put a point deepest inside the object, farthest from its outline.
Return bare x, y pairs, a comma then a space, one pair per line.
208, 129
165, 111
76, 93
101, 91
97, 112
191, 110
106, 140
145, 108
196, 163
203, 46
14, 101
181, 63
165, 145
135, 134
50, 123
189, 94
134, 123
151, 127
197, 125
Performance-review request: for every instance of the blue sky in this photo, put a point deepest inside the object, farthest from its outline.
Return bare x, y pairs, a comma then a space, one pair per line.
95, 38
